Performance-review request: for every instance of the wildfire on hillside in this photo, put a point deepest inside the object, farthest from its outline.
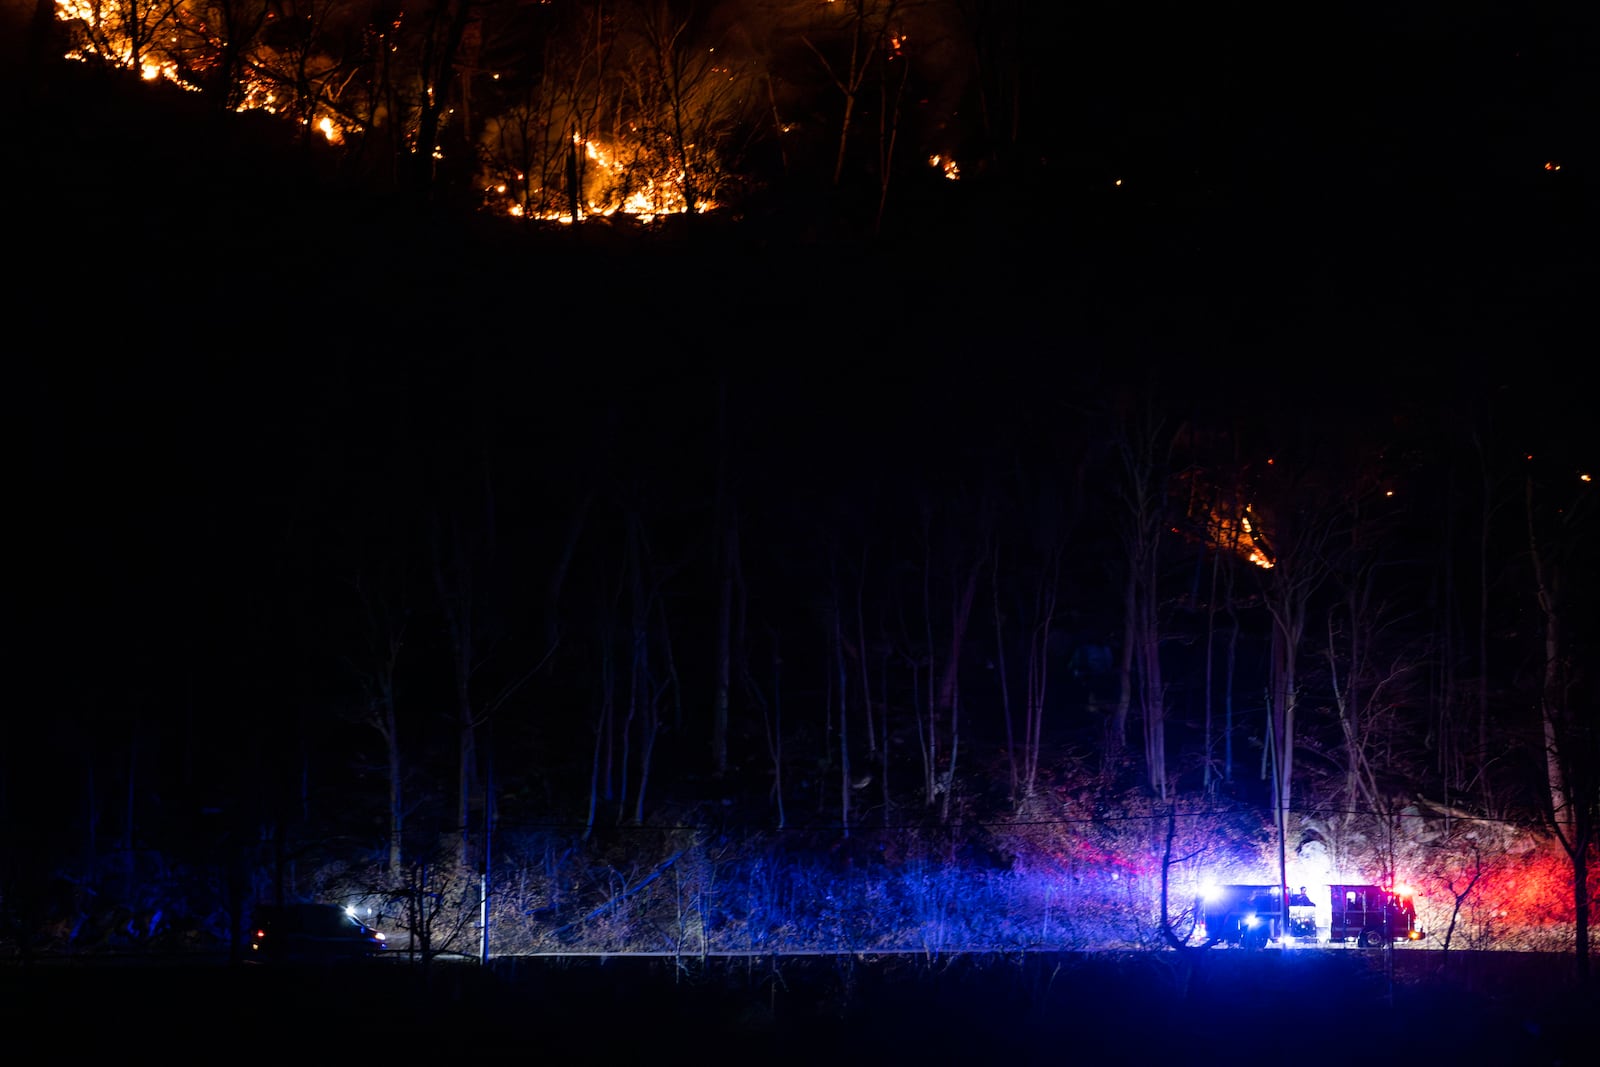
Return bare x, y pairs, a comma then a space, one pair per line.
1228, 523
96, 32
615, 176
1242, 535
613, 183
182, 55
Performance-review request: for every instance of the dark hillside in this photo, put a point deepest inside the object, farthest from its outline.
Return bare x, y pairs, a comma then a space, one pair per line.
367, 532
141, 218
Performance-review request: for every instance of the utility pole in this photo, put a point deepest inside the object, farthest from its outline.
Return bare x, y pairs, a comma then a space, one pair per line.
1283, 877
488, 837
1280, 806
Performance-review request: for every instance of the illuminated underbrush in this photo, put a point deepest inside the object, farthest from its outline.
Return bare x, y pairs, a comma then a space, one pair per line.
1071, 882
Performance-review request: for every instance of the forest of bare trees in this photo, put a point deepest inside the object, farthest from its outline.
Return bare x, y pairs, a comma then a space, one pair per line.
770, 596
823, 644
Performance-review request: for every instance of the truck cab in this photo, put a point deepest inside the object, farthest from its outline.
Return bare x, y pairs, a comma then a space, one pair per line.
1247, 915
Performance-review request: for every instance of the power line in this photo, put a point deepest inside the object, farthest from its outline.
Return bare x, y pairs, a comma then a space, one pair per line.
866, 826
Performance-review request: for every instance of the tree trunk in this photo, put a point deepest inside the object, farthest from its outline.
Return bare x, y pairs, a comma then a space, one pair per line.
1039, 670
1572, 756
845, 784
1117, 735
888, 133
453, 583
447, 22
1015, 795
724, 567
866, 674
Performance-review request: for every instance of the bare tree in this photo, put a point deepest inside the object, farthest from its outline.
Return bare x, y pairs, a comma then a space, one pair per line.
1461, 885
1218, 513
125, 32
460, 561
519, 148
1177, 926
771, 721
849, 40
453, 578
648, 685
997, 36
834, 619
1486, 505
1034, 614
1222, 573
383, 628
952, 568
436, 909
1142, 442
1290, 584
220, 36
891, 100
692, 94
584, 90
437, 45
726, 547
604, 725
632, 689
296, 65
1367, 696
1561, 551
1012, 762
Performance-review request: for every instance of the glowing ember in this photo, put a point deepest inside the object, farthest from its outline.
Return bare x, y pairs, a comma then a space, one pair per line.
1252, 546
615, 182
1225, 522
947, 165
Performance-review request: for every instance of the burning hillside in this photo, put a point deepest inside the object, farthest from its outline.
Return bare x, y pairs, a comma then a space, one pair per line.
553, 111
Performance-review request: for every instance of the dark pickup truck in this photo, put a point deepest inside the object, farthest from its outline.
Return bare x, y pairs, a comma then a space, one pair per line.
311, 932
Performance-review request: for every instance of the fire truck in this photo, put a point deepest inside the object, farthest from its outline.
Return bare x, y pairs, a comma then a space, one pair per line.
1252, 916
1371, 915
